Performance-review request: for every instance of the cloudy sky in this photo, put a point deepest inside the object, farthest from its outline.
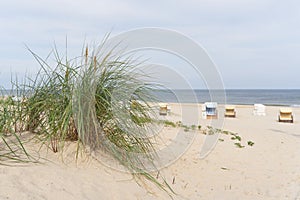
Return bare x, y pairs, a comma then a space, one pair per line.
254, 43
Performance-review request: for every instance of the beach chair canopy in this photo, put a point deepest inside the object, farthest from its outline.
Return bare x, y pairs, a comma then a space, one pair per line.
163, 105
229, 108
211, 108
259, 106
211, 104
286, 110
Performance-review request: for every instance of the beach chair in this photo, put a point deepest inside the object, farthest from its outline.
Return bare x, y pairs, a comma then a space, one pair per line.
259, 109
203, 111
163, 109
211, 110
285, 115
168, 108
230, 111
17, 99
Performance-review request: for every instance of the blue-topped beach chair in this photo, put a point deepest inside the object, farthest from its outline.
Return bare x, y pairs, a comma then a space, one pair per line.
211, 110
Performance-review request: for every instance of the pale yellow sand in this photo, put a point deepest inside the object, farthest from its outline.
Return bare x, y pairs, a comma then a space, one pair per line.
270, 169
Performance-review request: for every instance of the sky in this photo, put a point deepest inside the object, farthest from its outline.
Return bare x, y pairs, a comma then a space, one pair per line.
255, 44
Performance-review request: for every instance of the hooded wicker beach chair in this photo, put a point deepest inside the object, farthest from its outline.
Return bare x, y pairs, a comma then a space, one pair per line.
230, 111
211, 110
285, 115
163, 109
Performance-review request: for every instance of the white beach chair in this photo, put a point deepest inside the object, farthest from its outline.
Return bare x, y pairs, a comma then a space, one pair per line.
168, 108
259, 109
203, 111
17, 99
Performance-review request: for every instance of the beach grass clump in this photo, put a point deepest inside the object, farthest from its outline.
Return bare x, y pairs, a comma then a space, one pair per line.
97, 99
236, 137
193, 127
169, 123
239, 145
11, 115
11, 146
250, 143
210, 130
179, 123
6, 116
186, 128
48, 108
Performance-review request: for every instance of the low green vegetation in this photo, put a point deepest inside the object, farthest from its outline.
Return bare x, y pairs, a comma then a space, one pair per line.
193, 127
233, 136
239, 145
250, 143
236, 137
169, 123
209, 130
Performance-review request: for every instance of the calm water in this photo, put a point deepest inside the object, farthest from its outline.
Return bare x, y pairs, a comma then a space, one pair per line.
267, 97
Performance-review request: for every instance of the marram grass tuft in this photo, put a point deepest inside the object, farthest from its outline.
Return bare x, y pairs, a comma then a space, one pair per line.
97, 99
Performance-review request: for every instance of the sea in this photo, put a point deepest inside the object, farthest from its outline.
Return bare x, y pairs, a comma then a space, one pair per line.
280, 97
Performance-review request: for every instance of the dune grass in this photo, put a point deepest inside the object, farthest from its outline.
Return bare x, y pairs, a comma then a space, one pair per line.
11, 122
97, 99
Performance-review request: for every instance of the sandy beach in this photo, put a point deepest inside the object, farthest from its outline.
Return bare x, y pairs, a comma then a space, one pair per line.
270, 169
